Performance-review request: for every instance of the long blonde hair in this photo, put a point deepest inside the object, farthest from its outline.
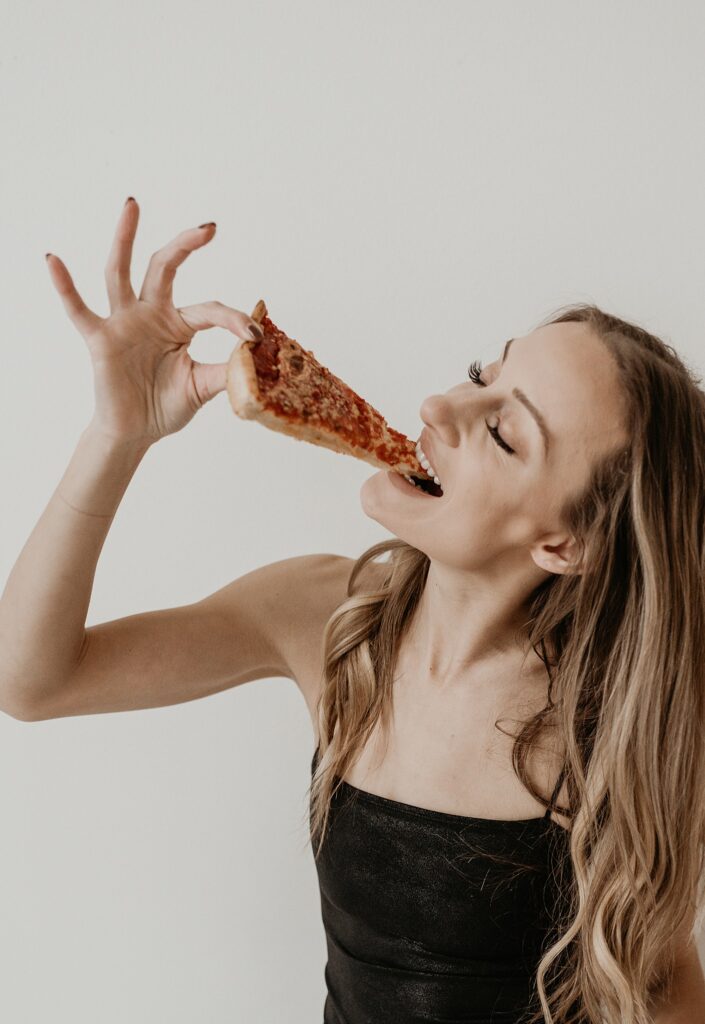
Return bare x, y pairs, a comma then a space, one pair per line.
623, 646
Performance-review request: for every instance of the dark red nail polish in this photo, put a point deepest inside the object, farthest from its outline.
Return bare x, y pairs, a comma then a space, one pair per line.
130, 199
210, 224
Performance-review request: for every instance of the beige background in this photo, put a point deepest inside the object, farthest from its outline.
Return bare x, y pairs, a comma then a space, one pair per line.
407, 184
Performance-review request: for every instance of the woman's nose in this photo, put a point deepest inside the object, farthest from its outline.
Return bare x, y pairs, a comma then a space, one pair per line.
440, 415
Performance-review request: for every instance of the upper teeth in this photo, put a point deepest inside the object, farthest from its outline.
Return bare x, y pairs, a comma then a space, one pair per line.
426, 464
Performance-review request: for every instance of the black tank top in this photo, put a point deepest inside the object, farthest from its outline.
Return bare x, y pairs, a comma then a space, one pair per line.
420, 928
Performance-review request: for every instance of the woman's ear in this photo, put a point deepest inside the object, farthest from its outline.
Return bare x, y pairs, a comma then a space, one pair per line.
558, 557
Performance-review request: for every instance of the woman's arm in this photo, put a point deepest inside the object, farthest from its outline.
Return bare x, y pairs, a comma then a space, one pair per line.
44, 604
146, 386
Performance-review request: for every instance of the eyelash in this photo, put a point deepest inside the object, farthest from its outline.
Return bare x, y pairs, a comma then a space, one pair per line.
474, 371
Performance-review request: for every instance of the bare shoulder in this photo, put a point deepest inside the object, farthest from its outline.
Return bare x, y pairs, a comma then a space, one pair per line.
324, 580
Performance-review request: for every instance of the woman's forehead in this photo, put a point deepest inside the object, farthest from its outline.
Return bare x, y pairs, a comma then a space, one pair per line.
570, 375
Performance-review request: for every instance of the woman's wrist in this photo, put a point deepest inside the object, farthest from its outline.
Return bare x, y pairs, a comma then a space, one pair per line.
113, 443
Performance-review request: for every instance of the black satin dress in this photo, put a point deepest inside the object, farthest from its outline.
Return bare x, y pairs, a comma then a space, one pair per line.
421, 928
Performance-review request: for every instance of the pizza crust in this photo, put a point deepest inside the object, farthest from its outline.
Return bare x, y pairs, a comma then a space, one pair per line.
243, 392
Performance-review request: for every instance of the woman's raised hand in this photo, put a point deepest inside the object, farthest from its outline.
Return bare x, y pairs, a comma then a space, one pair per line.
146, 384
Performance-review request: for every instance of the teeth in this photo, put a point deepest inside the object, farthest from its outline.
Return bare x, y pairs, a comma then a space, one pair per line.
426, 464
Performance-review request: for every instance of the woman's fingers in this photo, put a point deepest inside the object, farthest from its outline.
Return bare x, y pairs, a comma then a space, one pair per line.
214, 314
158, 281
209, 379
85, 320
117, 269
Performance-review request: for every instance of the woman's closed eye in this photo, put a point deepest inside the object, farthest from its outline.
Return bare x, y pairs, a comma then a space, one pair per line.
474, 371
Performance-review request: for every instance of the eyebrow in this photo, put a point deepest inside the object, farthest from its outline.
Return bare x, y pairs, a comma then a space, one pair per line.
520, 396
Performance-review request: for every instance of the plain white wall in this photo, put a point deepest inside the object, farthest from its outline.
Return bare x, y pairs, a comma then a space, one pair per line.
406, 184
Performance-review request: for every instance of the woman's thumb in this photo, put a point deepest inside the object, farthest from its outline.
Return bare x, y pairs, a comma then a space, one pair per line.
209, 379
83, 318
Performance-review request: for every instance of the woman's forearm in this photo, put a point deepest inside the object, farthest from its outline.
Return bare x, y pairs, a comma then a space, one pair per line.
45, 602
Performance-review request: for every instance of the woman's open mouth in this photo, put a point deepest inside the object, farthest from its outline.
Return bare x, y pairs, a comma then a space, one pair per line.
425, 483
422, 485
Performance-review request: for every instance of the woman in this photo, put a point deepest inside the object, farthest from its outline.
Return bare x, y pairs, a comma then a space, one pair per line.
559, 581
468, 872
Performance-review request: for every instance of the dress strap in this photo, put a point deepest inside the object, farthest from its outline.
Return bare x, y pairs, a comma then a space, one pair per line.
556, 789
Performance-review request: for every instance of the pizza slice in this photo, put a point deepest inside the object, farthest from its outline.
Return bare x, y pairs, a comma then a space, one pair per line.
283, 386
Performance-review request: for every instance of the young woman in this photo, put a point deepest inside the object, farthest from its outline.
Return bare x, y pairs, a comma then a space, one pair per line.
469, 873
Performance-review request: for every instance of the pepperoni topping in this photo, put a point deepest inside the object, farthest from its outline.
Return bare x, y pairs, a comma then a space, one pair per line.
296, 387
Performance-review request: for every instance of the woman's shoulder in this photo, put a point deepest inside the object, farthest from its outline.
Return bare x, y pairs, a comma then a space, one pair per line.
322, 587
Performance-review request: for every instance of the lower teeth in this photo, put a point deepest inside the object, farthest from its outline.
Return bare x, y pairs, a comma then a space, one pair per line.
414, 483
427, 487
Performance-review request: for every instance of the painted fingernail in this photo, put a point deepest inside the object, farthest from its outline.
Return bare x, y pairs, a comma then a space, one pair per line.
130, 199
47, 255
256, 332
210, 224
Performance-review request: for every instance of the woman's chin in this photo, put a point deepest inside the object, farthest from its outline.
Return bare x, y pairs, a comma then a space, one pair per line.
376, 506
